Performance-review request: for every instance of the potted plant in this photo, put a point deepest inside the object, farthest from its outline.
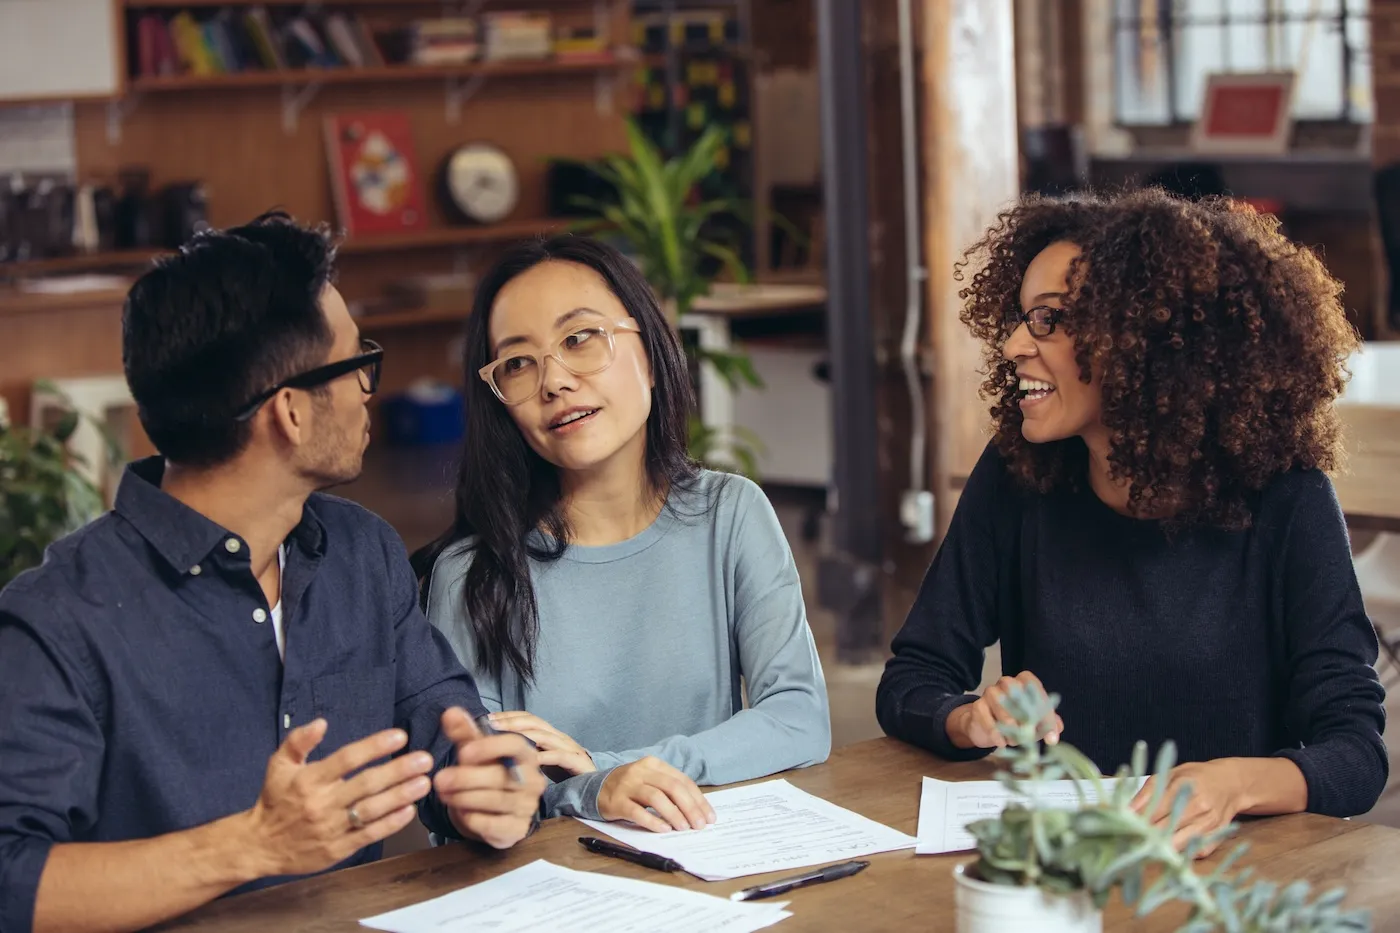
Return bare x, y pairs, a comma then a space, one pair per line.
1053, 870
43, 495
657, 211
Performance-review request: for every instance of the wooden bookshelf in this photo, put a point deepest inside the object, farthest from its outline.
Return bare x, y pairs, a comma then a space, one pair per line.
451, 236
434, 5
386, 74
83, 262
398, 320
385, 243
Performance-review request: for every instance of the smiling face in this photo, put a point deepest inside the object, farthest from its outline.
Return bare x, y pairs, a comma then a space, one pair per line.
1055, 403
578, 423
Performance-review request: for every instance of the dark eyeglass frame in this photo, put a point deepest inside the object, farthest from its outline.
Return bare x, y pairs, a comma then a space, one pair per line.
1040, 320
369, 363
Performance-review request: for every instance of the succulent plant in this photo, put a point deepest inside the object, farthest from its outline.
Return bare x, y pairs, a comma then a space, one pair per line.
1105, 845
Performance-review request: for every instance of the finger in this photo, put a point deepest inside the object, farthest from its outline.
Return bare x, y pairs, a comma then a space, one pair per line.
302, 741
380, 829
1191, 829
377, 806
358, 754
458, 726
1026, 678
492, 748
490, 776
688, 799
543, 739
984, 723
657, 799
516, 721
569, 761
375, 780
994, 697
644, 818
499, 832
1057, 726
485, 801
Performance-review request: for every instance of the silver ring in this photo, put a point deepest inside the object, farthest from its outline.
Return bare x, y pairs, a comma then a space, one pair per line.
355, 822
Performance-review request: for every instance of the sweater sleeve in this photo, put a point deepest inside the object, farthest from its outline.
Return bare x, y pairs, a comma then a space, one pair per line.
1335, 700
788, 722
939, 652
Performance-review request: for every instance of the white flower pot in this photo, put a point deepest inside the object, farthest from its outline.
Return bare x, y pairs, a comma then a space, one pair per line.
999, 908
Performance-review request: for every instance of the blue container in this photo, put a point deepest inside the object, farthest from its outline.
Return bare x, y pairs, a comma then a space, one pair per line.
426, 414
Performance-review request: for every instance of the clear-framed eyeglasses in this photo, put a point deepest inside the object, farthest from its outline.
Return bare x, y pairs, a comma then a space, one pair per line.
585, 351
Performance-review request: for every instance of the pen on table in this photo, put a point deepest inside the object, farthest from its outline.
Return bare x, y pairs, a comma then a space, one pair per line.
613, 850
783, 885
483, 722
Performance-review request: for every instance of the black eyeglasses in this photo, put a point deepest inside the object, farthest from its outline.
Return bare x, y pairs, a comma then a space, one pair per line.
1040, 320
369, 363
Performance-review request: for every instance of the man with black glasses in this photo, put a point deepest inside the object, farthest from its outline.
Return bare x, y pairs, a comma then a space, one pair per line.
226, 682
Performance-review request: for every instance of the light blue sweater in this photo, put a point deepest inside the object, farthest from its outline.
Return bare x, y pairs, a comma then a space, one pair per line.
647, 646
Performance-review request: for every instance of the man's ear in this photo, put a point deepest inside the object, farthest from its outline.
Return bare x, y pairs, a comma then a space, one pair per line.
289, 416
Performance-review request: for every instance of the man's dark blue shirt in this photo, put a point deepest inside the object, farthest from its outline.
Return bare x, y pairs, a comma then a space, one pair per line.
141, 691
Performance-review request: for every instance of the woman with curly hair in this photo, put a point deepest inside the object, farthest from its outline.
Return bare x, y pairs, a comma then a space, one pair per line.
1151, 533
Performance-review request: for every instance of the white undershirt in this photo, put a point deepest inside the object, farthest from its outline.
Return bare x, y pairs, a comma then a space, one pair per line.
277, 609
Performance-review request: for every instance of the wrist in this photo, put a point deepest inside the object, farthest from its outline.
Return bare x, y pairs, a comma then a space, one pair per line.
955, 726
237, 851
1268, 786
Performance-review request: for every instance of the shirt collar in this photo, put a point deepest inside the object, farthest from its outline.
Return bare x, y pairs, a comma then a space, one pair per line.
182, 536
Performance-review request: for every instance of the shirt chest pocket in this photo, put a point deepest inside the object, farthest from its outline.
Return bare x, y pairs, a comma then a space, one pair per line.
355, 704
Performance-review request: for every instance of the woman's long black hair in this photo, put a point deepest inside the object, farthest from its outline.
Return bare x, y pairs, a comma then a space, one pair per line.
505, 490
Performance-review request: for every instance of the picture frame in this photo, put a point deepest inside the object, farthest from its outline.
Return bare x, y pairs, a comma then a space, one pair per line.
1245, 113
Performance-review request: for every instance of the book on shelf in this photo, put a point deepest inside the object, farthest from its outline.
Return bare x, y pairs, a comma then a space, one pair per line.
374, 172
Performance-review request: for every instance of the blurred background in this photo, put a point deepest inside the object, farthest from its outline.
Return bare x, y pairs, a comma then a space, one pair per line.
859, 146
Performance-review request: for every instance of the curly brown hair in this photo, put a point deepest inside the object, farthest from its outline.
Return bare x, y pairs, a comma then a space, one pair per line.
1222, 345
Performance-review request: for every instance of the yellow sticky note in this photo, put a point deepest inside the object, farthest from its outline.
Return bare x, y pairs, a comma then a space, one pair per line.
695, 116
716, 29
741, 134
726, 94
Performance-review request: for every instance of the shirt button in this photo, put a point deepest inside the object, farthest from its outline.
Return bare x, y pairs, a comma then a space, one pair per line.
196, 570
259, 615
232, 545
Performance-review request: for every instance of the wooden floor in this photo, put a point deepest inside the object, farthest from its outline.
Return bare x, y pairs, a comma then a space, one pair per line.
411, 489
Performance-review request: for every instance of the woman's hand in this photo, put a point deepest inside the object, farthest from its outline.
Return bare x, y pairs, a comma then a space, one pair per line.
632, 791
1224, 789
974, 725
556, 748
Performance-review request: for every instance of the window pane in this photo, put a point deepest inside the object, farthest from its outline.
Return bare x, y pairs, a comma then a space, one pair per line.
1140, 78
1315, 46
1359, 38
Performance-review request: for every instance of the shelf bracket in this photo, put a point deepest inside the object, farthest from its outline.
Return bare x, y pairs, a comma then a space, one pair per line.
458, 92
605, 92
294, 101
117, 113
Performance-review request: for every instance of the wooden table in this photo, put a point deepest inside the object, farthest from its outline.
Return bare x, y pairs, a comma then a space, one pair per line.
900, 891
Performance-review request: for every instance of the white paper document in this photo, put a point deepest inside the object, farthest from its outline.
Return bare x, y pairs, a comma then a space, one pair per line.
946, 807
544, 896
765, 827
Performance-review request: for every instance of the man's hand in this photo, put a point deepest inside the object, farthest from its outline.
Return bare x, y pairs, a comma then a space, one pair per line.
633, 791
311, 816
974, 725
482, 798
556, 748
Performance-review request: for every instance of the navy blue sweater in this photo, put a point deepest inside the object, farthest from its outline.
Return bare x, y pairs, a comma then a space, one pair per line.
1251, 643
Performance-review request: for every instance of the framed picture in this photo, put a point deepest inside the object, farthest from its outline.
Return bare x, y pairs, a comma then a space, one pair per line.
1247, 114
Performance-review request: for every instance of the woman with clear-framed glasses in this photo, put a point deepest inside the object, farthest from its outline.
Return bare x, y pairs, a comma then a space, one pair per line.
1152, 534
614, 601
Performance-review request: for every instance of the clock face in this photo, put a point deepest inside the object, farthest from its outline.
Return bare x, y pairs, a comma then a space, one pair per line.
481, 182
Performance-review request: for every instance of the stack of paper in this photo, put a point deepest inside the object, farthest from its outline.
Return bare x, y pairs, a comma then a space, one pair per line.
765, 827
543, 896
946, 807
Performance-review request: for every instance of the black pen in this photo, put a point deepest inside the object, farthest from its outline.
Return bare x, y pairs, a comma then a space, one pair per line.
483, 723
613, 850
829, 873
